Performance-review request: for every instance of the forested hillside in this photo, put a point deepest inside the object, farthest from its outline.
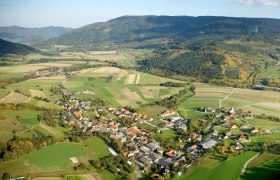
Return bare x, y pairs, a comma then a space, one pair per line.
152, 31
7, 47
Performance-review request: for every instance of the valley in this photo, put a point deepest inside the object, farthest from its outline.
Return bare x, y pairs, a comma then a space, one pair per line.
136, 97
107, 86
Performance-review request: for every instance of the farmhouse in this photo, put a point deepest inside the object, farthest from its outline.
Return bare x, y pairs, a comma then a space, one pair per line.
168, 113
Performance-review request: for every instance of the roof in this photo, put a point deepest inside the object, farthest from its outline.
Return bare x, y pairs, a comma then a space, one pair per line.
171, 153
113, 127
133, 130
78, 114
209, 143
145, 159
144, 149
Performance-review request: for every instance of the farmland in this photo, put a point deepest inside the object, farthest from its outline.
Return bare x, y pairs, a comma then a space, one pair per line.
219, 168
58, 158
265, 166
58, 155
255, 101
119, 86
125, 87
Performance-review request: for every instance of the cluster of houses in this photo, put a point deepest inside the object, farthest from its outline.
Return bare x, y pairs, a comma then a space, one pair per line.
145, 151
178, 123
134, 116
46, 72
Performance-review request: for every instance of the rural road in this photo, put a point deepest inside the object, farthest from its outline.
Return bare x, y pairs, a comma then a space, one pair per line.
162, 129
245, 165
226, 97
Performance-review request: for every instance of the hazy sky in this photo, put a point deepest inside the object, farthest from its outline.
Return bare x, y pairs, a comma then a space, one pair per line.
77, 13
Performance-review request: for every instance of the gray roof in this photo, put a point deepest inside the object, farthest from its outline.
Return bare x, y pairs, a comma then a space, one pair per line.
145, 159
209, 143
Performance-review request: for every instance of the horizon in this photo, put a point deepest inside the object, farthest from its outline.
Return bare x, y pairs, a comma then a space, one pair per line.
75, 14
140, 16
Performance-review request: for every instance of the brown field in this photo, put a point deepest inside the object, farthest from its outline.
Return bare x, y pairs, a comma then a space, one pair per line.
151, 91
14, 97
269, 105
131, 95
107, 70
37, 93
21, 68
130, 79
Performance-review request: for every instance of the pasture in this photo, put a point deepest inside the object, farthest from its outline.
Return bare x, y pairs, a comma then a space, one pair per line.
24, 116
96, 148
217, 167
58, 155
265, 166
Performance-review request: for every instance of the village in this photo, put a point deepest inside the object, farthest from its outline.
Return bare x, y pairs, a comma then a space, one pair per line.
137, 146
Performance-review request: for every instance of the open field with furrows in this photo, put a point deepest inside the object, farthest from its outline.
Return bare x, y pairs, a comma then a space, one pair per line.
217, 167
119, 87
257, 102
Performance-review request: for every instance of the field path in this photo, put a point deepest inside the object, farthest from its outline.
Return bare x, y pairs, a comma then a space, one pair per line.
245, 165
220, 102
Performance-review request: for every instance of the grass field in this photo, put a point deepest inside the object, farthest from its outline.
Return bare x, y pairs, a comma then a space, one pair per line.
265, 166
96, 148
218, 169
45, 131
26, 117
58, 155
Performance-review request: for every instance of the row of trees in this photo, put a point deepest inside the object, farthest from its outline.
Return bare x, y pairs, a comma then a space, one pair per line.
115, 164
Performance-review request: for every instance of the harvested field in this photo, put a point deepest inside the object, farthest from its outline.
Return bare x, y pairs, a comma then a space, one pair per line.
15, 98
270, 105
130, 79
131, 95
151, 91
107, 70
37, 93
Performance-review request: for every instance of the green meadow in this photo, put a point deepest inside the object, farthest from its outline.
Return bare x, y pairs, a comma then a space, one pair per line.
218, 168
57, 155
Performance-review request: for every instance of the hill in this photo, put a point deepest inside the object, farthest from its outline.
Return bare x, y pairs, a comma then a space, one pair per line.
151, 31
14, 48
30, 35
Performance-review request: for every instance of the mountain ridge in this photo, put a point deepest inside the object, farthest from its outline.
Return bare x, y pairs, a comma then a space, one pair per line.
126, 30
31, 36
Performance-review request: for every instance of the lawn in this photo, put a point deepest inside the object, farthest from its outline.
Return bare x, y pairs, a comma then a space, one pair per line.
96, 148
106, 175
168, 134
57, 155
218, 169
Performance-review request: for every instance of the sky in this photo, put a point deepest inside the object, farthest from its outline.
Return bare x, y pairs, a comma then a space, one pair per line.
77, 13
